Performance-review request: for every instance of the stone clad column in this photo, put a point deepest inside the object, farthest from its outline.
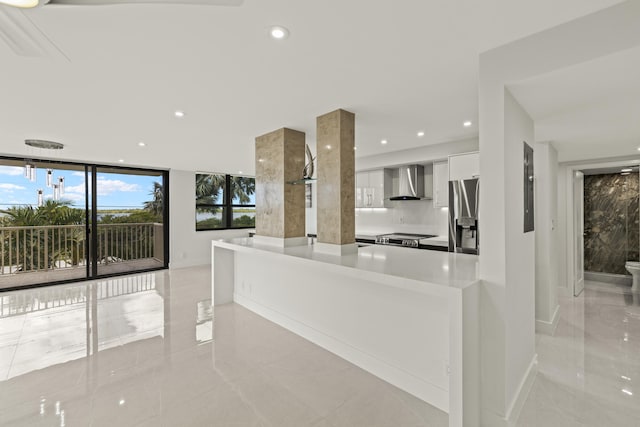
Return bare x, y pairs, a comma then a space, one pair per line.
336, 183
280, 206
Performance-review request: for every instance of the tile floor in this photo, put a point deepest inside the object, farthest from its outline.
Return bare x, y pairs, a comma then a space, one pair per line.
147, 350
589, 371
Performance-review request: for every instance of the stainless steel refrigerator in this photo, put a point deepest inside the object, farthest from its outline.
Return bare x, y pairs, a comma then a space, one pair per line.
463, 216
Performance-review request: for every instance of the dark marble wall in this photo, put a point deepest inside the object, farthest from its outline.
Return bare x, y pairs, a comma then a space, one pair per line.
611, 222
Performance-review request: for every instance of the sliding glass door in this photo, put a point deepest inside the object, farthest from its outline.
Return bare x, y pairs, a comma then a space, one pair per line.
63, 221
129, 220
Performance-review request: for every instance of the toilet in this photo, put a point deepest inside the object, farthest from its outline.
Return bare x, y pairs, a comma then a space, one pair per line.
633, 267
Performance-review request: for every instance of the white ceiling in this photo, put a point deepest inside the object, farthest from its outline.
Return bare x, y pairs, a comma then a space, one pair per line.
401, 66
590, 110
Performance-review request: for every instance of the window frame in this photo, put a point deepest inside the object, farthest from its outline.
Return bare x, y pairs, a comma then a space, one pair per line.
227, 205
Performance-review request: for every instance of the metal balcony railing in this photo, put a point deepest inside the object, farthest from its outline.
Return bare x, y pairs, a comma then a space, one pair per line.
40, 248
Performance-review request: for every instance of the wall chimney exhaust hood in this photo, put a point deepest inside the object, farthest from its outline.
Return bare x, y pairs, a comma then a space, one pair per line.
410, 183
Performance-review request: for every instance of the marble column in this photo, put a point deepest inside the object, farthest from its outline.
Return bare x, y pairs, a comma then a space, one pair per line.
336, 183
280, 205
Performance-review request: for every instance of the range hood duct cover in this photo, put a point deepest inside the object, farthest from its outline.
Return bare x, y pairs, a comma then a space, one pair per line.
410, 183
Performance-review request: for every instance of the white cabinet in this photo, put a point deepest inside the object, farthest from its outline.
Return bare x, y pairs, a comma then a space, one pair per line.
464, 166
441, 184
370, 189
361, 185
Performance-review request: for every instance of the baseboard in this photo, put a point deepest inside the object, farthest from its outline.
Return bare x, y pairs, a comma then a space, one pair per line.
549, 328
419, 388
517, 403
616, 279
523, 392
184, 263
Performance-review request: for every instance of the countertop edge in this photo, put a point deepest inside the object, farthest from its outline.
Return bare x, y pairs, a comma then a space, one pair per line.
407, 283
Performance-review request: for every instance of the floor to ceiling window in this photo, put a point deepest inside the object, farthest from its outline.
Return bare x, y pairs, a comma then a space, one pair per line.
62, 221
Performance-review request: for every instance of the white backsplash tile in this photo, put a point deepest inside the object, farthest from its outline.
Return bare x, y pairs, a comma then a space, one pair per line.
418, 216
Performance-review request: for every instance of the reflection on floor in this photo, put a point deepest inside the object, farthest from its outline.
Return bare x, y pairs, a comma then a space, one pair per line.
148, 350
74, 273
589, 372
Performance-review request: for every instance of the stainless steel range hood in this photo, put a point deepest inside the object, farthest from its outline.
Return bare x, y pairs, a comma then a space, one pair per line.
410, 183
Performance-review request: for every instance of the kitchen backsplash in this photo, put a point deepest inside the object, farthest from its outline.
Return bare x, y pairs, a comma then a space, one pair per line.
418, 216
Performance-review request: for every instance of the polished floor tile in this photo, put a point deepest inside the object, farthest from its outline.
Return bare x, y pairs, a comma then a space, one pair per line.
589, 371
148, 350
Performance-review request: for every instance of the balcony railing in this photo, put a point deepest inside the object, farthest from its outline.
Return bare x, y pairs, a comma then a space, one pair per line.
41, 248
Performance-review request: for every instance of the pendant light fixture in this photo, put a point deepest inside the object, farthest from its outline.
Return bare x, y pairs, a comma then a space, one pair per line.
30, 170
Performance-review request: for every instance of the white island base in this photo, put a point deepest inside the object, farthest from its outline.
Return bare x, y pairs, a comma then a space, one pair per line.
407, 316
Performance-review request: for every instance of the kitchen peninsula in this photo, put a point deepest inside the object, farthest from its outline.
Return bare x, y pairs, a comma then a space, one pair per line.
407, 316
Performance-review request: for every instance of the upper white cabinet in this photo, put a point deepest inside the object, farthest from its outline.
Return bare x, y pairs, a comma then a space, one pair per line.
441, 184
370, 189
464, 166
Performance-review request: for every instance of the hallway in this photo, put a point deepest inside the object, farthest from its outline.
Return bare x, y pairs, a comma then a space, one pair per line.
588, 373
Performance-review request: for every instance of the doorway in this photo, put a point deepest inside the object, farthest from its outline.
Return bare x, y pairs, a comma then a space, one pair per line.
65, 221
603, 221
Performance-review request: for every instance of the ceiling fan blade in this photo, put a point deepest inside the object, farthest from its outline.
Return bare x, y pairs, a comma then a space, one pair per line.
113, 2
24, 37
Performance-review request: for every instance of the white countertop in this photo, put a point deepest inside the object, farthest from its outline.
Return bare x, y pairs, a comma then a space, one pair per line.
433, 267
436, 241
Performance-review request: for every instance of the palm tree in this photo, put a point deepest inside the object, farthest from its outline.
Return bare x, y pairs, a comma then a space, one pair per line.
33, 242
156, 204
208, 188
241, 188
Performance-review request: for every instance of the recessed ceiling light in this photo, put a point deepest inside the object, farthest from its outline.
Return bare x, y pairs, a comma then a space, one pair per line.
328, 147
383, 142
120, 160
626, 170
240, 172
278, 32
141, 144
355, 148
421, 134
179, 114
467, 124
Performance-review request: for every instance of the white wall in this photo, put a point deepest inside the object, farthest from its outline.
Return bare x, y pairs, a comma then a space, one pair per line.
562, 236
418, 216
520, 255
507, 254
188, 247
547, 251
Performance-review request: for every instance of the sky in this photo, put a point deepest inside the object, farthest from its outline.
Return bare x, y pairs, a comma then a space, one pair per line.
115, 191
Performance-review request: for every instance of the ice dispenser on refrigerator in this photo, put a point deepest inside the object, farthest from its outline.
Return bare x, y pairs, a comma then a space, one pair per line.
463, 216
